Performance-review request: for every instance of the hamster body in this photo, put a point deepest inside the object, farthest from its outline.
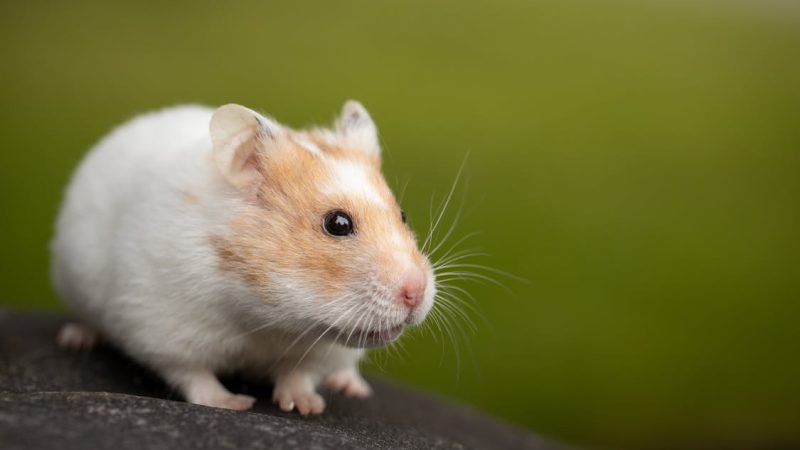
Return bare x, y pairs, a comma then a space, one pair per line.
204, 242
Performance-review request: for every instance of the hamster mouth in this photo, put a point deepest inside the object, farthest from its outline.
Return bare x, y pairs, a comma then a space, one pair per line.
383, 337
371, 339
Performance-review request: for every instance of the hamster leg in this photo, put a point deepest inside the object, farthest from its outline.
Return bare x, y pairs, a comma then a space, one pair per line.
77, 336
349, 382
202, 387
295, 389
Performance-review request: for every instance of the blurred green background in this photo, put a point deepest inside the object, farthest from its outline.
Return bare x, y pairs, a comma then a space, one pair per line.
637, 161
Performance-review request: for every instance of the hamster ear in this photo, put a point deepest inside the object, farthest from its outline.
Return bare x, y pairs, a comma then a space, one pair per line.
236, 135
356, 128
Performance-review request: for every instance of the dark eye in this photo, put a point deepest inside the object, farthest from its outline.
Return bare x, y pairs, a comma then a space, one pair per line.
338, 223
403, 216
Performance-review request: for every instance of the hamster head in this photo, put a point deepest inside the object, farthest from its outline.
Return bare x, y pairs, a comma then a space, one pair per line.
319, 234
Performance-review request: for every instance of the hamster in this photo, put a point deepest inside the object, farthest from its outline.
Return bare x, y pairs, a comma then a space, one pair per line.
203, 242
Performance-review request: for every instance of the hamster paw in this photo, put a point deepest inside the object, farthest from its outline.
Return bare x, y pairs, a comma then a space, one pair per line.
306, 402
76, 336
236, 402
349, 382
202, 387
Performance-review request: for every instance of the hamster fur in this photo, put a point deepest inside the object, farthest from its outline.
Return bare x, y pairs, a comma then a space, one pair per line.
199, 242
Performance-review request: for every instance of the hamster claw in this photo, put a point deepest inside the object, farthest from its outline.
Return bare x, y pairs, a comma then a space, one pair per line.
304, 401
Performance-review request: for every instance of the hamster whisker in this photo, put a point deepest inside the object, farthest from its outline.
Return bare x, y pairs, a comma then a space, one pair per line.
432, 320
355, 327
262, 326
378, 359
436, 315
444, 205
320, 337
491, 269
388, 351
437, 322
451, 335
402, 351
364, 334
467, 303
475, 276
430, 225
450, 229
342, 330
402, 193
435, 215
447, 287
462, 297
397, 350
458, 256
388, 348
449, 304
298, 338
333, 342
459, 325
258, 328
456, 244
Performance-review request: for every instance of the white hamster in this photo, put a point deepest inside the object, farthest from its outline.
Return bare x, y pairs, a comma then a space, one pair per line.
204, 242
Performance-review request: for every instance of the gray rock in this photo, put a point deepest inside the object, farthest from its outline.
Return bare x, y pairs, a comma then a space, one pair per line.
51, 398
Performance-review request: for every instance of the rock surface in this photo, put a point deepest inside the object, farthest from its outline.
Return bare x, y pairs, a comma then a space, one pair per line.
51, 398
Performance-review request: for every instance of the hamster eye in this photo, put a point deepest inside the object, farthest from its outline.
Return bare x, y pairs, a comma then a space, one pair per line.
338, 223
403, 216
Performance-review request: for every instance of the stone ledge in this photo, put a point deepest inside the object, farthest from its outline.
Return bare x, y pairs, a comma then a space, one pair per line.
50, 398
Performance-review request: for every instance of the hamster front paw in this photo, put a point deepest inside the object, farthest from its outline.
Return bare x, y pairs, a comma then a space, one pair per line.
305, 402
349, 382
296, 391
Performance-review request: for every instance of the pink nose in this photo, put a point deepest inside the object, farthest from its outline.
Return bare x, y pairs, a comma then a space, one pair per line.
412, 291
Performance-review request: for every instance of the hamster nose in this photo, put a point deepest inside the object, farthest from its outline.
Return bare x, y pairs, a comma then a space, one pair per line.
412, 290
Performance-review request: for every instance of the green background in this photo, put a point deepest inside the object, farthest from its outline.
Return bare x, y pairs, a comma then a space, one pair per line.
637, 161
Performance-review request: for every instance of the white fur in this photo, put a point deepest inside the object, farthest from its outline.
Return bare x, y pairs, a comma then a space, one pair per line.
397, 240
351, 178
132, 258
